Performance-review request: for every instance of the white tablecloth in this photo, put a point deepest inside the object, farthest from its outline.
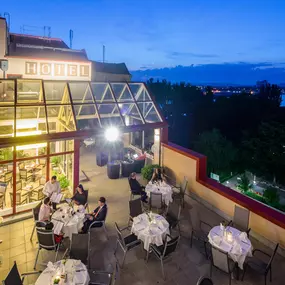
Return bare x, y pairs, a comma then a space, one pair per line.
81, 275
162, 188
72, 223
238, 250
150, 233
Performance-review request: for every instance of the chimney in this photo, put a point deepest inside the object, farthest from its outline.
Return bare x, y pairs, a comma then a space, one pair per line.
3, 37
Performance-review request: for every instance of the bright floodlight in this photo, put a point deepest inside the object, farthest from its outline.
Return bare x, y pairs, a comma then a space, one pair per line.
111, 134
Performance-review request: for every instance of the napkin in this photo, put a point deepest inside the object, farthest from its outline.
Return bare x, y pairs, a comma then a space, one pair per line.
139, 227
217, 240
243, 236
236, 248
69, 265
50, 266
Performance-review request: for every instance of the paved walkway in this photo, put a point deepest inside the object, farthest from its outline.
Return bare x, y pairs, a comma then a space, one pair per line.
185, 267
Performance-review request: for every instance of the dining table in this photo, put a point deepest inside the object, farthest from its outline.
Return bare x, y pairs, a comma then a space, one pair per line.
64, 272
150, 228
233, 241
160, 187
71, 220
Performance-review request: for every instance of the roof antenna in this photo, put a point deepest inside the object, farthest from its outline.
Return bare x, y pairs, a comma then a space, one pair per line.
103, 53
70, 38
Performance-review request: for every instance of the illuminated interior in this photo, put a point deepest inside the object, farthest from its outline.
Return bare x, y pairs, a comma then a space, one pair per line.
31, 108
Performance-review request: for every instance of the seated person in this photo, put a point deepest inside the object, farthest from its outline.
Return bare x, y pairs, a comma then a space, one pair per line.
136, 188
98, 215
45, 210
57, 238
80, 197
142, 156
157, 175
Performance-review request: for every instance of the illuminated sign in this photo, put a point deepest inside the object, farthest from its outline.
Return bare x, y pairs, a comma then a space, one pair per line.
56, 69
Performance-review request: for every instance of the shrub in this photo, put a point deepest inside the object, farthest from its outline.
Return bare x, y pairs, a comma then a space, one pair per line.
147, 171
255, 196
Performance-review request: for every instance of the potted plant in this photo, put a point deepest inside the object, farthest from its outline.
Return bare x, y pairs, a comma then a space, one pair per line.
147, 171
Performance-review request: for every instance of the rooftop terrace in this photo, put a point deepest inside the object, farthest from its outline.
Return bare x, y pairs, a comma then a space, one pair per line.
185, 266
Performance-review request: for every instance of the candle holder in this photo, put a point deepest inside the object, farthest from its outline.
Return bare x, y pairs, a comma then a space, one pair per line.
229, 237
56, 280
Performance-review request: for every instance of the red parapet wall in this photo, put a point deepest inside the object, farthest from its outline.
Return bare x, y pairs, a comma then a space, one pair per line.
254, 206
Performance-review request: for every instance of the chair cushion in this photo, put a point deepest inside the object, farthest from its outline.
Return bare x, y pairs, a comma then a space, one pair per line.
171, 220
257, 264
158, 249
130, 239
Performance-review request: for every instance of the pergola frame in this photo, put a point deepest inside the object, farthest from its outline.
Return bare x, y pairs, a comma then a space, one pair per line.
80, 134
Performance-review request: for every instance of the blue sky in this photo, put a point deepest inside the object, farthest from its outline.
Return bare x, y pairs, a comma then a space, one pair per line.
156, 33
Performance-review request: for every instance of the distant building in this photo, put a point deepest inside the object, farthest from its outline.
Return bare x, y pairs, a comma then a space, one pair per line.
116, 72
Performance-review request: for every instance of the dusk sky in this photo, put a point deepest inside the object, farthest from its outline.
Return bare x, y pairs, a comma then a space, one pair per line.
156, 33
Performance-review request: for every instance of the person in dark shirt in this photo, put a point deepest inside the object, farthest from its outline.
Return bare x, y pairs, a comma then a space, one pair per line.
136, 188
80, 197
99, 214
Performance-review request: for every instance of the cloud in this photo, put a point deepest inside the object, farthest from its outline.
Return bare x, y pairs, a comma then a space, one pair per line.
240, 73
176, 54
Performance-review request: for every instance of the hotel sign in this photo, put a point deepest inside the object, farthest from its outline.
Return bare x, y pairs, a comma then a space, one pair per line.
57, 69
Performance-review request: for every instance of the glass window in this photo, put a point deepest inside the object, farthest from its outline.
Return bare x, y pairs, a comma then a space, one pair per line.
130, 114
31, 177
61, 146
30, 121
56, 92
122, 92
60, 119
137, 139
6, 153
62, 167
7, 89
29, 91
6, 182
139, 91
6, 121
109, 115
102, 92
31, 150
80, 92
149, 112
86, 116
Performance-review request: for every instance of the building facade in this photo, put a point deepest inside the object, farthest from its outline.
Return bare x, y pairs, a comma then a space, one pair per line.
49, 105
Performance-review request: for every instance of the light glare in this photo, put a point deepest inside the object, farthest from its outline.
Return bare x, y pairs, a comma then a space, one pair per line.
111, 134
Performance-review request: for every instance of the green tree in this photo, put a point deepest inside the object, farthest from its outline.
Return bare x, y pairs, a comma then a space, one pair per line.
221, 154
244, 183
266, 151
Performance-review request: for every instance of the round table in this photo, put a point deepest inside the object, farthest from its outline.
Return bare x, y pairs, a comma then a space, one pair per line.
238, 249
153, 232
72, 223
162, 188
81, 275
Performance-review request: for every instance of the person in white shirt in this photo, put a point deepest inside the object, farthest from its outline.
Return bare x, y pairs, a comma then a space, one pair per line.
51, 187
45, 210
